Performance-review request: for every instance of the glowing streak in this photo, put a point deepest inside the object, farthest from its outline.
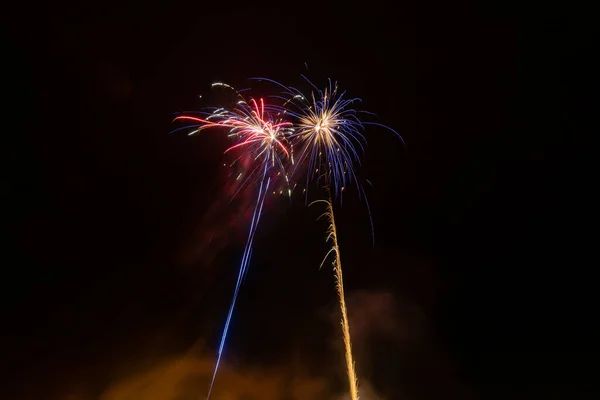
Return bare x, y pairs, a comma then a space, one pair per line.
261, 137
337, 268
243, 270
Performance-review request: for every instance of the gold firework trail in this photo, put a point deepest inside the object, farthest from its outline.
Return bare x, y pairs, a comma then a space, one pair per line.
337, 268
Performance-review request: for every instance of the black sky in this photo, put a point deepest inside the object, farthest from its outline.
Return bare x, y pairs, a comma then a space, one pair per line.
485, 221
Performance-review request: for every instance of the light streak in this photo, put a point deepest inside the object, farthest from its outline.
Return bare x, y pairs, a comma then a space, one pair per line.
264, 138
337, 269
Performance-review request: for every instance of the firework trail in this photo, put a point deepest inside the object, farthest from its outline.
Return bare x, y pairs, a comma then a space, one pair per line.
329, 132
337, 268
263, 138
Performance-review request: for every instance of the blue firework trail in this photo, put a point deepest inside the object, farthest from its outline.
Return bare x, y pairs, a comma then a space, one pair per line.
263, 138
262, 193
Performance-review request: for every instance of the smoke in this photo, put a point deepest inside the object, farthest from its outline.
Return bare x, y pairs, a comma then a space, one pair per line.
372, 316
392, 351
188, 377
225, 221
377, 314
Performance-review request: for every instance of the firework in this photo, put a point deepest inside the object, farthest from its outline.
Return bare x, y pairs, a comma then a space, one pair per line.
329, 133
337, 268
255, 131
261, 136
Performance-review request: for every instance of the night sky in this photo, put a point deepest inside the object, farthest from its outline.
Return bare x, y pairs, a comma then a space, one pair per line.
121, 246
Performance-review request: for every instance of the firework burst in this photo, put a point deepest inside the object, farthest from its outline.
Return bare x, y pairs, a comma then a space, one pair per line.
328, 131
255, 131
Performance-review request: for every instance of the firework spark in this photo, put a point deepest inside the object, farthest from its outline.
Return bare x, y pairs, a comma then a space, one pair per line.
328, 131
337, 268
263, 137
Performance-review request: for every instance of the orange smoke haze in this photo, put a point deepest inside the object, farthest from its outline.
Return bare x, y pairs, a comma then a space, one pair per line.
188, 378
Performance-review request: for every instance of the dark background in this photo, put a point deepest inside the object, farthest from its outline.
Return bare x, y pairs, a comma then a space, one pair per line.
485, 220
